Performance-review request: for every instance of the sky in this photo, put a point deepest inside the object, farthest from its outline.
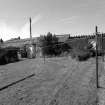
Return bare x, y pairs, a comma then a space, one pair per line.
73, 17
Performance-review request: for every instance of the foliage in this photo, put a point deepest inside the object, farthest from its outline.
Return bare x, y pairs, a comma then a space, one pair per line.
81, 49
49, 44
1, 40
8, 55
65, 47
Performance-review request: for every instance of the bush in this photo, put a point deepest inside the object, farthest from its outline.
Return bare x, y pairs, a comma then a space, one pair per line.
65, 47
80, 55
83, 57
49, 45
8, 55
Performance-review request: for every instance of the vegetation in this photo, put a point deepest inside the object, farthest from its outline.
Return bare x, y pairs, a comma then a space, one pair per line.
81, 49
51, 46
1, 40
8, 55
78, 47
58, 81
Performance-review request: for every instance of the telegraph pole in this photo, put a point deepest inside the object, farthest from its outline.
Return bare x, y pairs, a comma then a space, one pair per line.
97, 82
30, 30
102, 48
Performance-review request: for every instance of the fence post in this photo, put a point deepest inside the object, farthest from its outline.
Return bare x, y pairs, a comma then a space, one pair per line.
102, 48
97, 84
44, 57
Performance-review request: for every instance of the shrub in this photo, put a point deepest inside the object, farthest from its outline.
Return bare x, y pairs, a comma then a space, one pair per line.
8, 55
49, 45
80, 55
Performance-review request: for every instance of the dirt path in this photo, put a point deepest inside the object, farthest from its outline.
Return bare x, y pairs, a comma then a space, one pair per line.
59, 81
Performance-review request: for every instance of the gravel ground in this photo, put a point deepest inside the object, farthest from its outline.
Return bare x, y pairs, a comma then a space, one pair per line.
60, 81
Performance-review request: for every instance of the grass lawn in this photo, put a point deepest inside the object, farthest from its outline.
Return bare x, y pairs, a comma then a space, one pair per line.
60, 81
